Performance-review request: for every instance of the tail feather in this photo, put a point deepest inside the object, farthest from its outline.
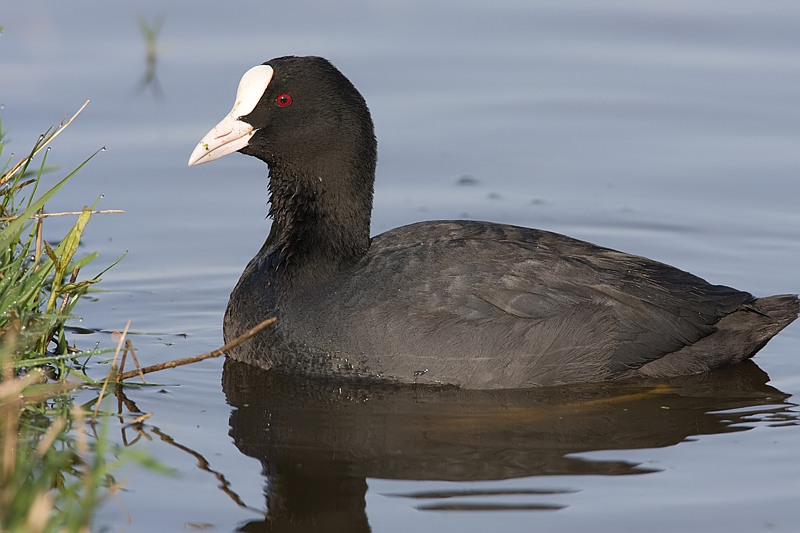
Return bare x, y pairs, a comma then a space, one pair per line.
737, 337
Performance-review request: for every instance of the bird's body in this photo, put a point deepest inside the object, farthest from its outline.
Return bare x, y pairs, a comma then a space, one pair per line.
544, 309
474, 304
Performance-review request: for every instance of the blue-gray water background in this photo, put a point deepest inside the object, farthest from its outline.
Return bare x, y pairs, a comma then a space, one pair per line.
669, 129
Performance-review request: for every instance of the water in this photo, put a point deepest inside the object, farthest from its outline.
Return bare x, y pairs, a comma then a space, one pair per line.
667, 129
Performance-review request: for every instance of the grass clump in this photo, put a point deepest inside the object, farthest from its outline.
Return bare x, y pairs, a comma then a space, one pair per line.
54, 470
36, 296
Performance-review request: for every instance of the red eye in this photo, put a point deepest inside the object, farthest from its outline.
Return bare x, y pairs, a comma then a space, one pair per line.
284, 100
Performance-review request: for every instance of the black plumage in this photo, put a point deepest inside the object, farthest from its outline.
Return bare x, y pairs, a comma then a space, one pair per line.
476, 304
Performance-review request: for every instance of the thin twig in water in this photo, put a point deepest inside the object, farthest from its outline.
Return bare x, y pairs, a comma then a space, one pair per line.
113, 364
129, 349
204, 465
139, 419
136, 362
121, 367
188, 360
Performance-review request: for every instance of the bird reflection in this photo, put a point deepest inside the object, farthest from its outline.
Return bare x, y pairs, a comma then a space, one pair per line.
318, 441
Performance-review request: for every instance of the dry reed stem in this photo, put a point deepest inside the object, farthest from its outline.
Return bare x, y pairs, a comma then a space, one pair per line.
113, 365
124, 358
39, 513
188, 360
59, 128
38, 247
9, 419
79, 425
65, 300
50, 436
129, 346
40, 216
121, 369
139, 419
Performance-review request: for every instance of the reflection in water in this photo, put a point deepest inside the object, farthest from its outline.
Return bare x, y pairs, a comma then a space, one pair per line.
319, 441
150, 34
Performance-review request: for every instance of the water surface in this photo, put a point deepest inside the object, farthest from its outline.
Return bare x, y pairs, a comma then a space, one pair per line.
667, 129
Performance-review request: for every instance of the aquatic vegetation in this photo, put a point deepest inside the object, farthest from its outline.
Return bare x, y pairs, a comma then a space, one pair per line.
55, 465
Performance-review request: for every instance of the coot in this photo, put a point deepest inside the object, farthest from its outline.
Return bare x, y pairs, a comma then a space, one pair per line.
474, 304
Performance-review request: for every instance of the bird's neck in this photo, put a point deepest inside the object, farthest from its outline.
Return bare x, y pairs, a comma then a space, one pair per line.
320, 218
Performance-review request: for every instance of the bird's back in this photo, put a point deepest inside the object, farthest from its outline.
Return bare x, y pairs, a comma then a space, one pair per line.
485, 305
